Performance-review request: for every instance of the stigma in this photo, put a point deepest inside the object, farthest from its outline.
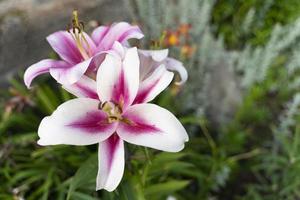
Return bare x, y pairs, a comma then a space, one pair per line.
77, 32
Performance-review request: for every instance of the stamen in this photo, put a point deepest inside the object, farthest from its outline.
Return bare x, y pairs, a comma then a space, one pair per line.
78, 36
113, 111
127, 121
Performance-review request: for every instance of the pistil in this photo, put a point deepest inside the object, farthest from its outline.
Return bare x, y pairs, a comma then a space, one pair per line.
78, 36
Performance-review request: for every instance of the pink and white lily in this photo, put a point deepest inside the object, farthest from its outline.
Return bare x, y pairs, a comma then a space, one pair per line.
79, 52
152, 59
156, 70
113, 111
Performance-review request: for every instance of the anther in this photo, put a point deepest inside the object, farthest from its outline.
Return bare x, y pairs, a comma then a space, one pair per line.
81, 25
78, 36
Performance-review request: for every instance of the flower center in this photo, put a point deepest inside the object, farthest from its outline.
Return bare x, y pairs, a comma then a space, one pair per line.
76, 30
113, 111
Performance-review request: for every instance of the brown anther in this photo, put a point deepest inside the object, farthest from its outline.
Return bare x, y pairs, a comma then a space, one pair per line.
112, 119
76, 24
119, 108
100, 105
104, 105
68, 28
81, 25
127, 121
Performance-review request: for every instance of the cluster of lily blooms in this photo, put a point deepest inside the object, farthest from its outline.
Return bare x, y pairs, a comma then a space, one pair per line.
113, 83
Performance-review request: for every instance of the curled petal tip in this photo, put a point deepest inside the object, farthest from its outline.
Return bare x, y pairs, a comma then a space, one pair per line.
37, 69
175, 65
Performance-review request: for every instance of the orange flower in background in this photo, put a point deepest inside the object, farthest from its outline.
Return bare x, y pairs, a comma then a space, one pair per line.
178, 36
172, 39
184, 29
187, 51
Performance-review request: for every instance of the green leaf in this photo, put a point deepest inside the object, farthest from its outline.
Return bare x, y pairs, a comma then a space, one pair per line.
84, 175
82, 196
166, 188
48, 99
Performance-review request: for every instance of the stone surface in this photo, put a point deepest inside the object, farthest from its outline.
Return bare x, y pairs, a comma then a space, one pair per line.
24, 25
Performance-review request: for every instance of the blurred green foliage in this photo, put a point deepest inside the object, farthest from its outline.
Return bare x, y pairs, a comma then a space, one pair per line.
228, 15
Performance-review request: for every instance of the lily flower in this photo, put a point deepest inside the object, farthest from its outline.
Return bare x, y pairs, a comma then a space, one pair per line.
108, 115
79, 52
152, 59
156, 70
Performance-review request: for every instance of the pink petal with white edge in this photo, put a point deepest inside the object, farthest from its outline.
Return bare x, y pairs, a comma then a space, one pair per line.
76, 122
85, 87
64, 45
120, 32
118, 78
152, 126
99, 33
40, 68
154, 85
111, 163
71, 74
175, 65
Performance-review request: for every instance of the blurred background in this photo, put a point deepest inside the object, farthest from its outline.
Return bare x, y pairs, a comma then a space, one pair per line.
240, 104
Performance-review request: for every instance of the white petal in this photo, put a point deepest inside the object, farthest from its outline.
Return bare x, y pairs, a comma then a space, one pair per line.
150, 60
156, 55
77, 122
175, 65
98, 33
107, 76
118, 79
154, 85
70, 75
85, 87
152, 126
111, 163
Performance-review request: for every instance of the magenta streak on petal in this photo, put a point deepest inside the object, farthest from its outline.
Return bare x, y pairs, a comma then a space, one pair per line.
137, 125
120, 91
144, 92
112, 144
63, 44
92, 122
98, 38
96, 62
88, 92
104, 33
